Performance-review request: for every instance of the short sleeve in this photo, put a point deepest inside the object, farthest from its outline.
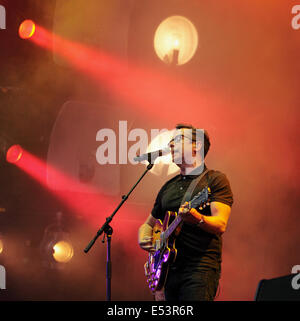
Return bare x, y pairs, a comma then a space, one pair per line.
220, 189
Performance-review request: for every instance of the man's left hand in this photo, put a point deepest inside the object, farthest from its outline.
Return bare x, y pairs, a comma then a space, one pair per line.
186, 214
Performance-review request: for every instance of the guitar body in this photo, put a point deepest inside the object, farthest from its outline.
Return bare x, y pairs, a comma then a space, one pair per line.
157, 266
164, 236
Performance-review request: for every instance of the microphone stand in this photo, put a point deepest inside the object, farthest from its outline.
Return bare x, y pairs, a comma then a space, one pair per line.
108, 231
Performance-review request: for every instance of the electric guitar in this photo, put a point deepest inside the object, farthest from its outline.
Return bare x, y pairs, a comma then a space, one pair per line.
164, 236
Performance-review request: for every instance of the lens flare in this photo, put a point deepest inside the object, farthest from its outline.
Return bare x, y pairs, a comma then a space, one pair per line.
26, 29
63, 252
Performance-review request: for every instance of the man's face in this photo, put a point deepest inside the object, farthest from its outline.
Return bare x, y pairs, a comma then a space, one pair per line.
182, 147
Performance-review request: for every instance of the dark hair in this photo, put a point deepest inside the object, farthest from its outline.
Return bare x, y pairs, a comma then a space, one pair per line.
194, 132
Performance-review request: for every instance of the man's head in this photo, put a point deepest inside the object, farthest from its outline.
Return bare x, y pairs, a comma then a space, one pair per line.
189, 144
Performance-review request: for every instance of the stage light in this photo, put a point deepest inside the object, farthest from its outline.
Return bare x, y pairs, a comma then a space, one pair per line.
1, 246
63, 251
56, 247
26, 29
14, 154
176, 40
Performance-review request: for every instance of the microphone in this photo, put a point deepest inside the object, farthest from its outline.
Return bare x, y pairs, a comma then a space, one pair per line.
151, 157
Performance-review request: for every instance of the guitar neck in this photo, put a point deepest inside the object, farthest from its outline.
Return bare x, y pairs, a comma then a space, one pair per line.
172, 226
196, 201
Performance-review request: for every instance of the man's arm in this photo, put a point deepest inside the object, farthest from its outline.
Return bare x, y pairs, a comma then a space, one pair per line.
216, 223
145, 235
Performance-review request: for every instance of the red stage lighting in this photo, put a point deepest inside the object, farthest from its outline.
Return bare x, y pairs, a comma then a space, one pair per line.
14, 154
160, 90
26, 29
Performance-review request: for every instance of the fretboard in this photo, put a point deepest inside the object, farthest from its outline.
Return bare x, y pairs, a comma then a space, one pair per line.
172, 226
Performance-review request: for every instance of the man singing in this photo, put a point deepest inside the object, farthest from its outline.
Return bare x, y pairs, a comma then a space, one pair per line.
195, 274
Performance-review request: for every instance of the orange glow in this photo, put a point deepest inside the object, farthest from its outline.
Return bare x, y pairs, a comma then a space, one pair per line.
39, 170
91, 204
14, 154
27, 29
63, 252
123, 78
176, 33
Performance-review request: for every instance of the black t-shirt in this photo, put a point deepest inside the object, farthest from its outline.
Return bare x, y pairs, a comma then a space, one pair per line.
193, 244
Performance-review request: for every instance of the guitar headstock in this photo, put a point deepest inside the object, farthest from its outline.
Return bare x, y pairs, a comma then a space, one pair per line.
200, 198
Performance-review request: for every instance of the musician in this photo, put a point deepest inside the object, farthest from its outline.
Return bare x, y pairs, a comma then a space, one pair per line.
196, 271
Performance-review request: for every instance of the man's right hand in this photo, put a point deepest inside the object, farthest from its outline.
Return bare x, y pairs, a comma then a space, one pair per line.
146, 244
145, 237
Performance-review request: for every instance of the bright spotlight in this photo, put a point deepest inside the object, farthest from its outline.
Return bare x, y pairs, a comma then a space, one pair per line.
56, 246
63, 251
14, 154
176, 40
26, 29
1, 246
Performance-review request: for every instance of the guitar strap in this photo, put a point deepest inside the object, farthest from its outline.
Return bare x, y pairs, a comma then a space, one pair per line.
191, 188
